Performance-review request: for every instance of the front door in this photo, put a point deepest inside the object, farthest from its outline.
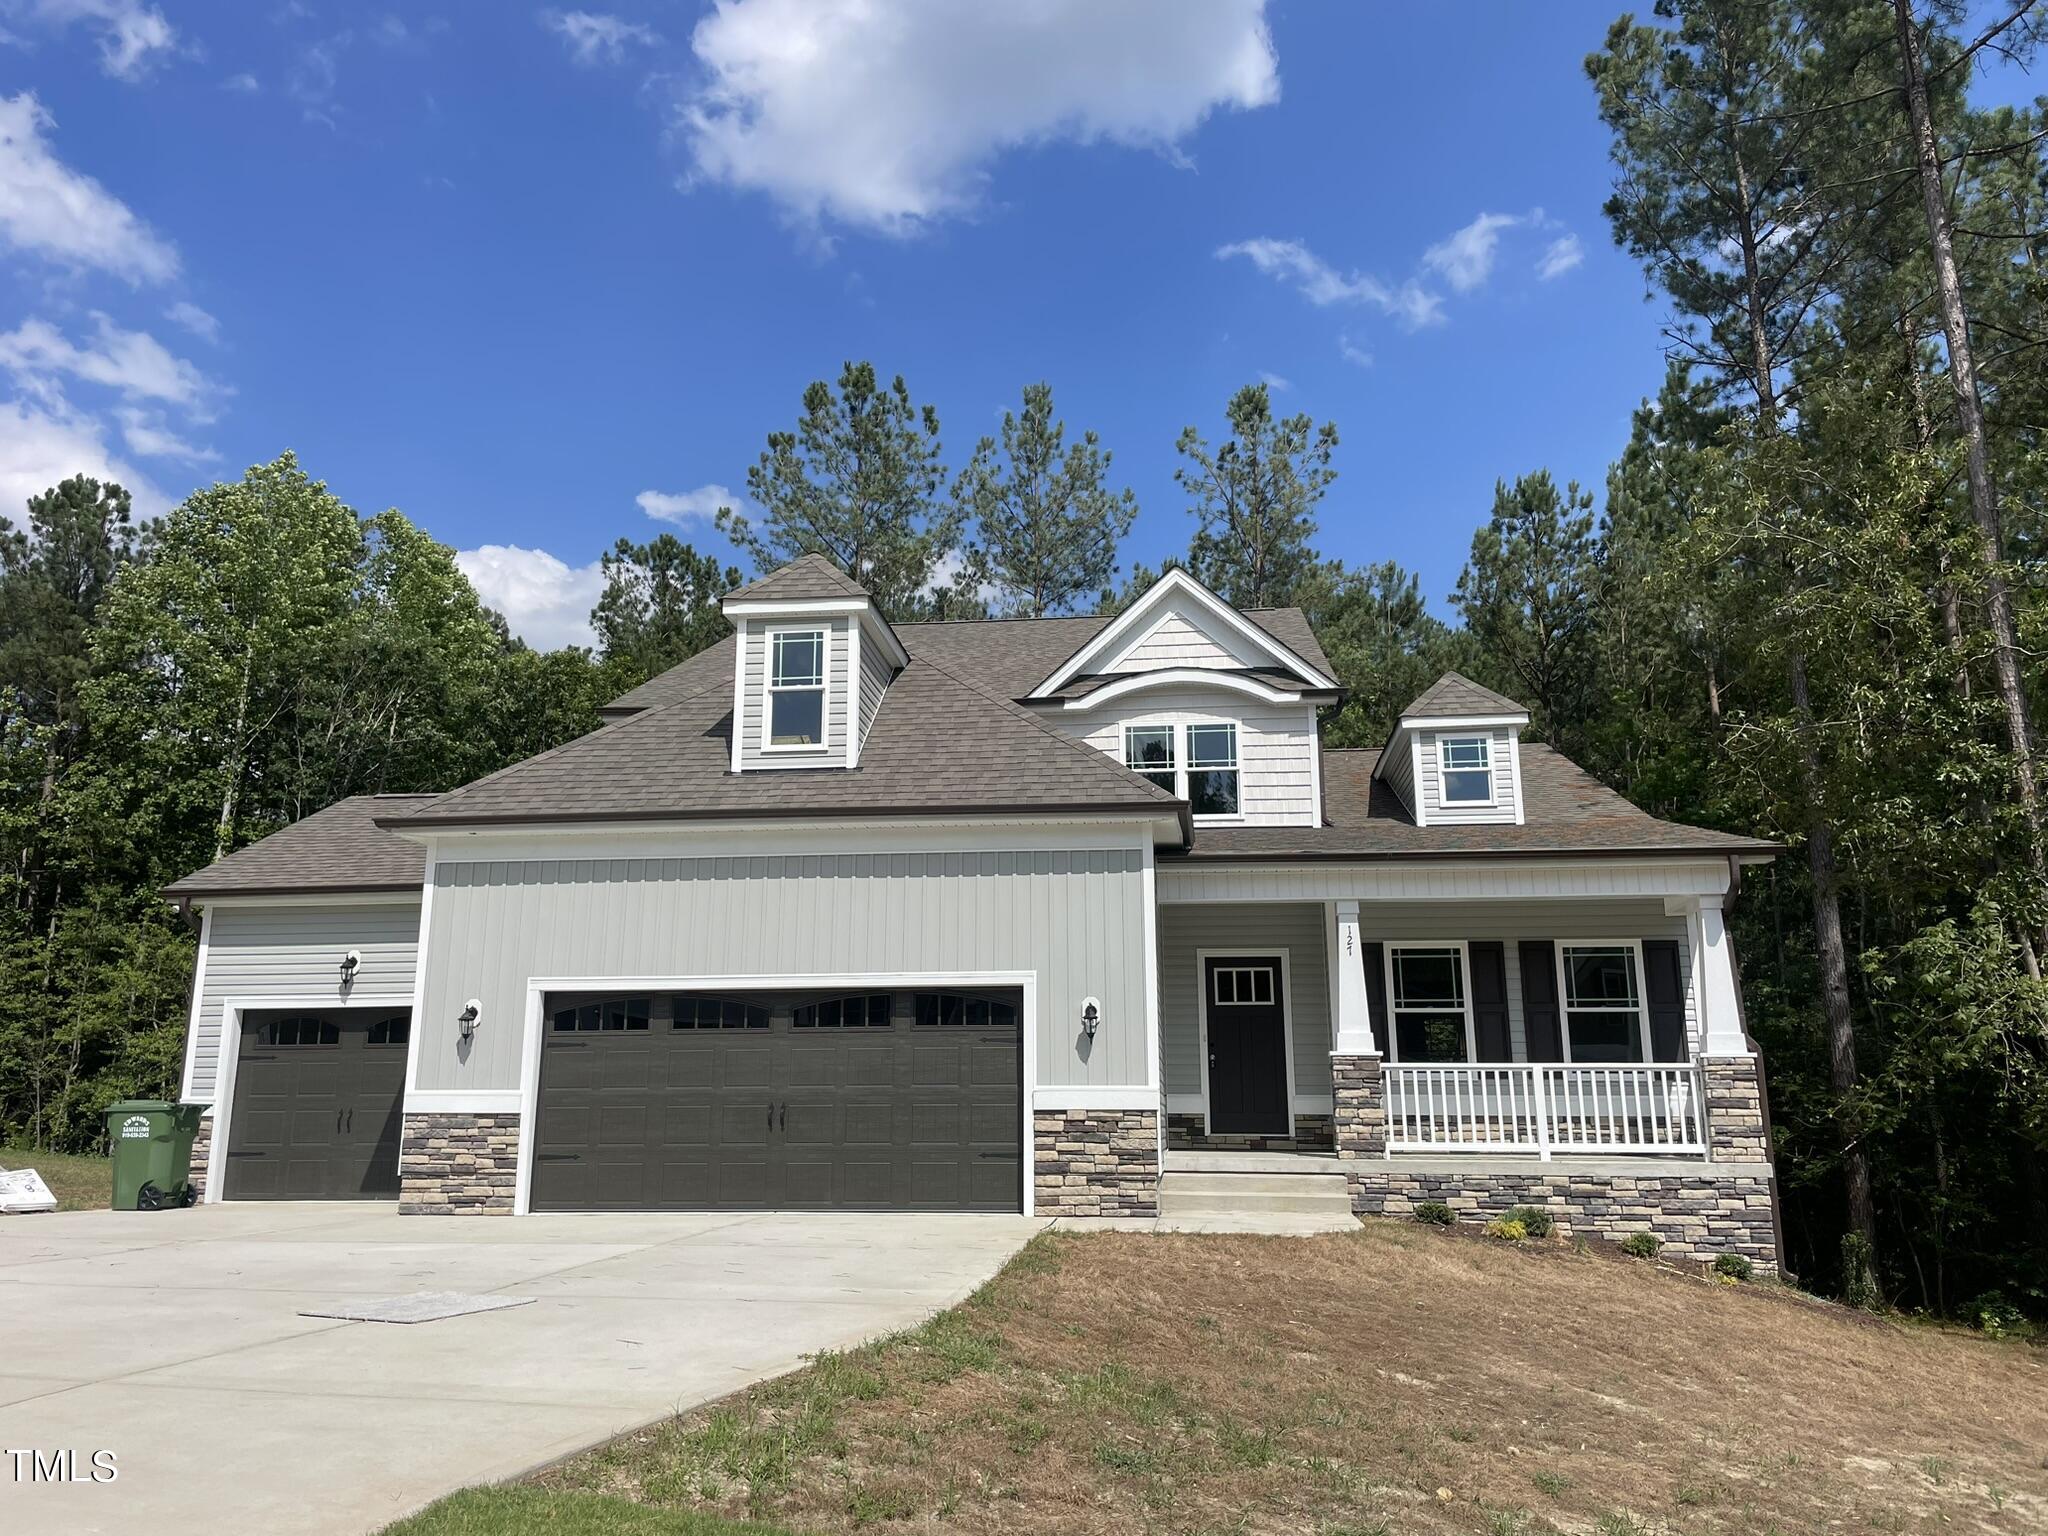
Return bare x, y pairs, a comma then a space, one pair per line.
1247, 1025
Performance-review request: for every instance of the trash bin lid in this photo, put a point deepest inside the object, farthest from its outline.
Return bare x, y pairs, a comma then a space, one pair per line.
141, 1107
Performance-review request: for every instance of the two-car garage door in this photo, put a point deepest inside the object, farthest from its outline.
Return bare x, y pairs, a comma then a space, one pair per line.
871, 1100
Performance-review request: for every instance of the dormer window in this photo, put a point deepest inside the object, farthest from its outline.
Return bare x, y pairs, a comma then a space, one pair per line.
1466, 765
1148, 749
796, 688
1212, 770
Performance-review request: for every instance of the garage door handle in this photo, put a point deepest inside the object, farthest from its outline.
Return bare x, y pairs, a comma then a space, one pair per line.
782, 1120
771, 1117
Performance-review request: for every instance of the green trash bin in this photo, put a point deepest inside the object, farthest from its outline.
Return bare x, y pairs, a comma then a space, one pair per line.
152, 1145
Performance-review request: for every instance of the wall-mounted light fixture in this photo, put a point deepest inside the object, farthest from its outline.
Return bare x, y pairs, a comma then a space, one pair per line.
350, 964
1091, 1016
466, 1021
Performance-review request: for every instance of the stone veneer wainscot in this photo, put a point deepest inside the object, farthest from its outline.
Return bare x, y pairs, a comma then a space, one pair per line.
1096, 1162
202, 1146
458, 1164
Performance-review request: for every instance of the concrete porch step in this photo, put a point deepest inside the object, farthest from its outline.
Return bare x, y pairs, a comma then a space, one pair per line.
1215, 1161
1188, 1193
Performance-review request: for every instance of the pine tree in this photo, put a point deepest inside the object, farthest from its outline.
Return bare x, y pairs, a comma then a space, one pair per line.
1254, 500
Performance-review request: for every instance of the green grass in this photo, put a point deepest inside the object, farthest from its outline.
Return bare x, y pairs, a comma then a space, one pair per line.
520, 1511
80, 1182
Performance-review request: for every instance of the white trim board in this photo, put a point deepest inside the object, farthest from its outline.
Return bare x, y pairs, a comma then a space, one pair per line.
538, 987
192, 1018
231, 1011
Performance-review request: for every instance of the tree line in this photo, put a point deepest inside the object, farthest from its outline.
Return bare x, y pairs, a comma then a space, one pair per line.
1807, 603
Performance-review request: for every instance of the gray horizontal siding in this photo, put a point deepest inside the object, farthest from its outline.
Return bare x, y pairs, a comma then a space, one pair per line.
874, 682
1176, 642
1297, 927
1076, 918
293, 954
838, 691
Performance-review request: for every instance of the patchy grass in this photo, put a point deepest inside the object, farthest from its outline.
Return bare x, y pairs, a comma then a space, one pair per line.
81, 1182
492, 1512
1392, 1380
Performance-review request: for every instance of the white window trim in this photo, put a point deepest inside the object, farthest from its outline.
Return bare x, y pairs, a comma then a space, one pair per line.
1390, 1047
823, 630
1564, 1006
1284, 956
1443, 792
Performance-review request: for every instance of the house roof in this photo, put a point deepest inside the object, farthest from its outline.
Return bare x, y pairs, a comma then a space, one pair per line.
1270, 677
339, 849
1566, 811
942, 742
808, 578
1455, 694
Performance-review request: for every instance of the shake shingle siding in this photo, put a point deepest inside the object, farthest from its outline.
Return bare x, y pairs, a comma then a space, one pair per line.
1175, 642
1276, 744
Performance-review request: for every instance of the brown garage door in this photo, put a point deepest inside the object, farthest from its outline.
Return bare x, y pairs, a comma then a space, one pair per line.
862, 1101
316, 1111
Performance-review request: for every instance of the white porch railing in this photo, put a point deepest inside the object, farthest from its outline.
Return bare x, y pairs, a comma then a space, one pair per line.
1545, 1109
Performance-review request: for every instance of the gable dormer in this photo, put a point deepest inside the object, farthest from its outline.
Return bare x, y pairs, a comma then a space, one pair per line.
812, 659
1455, 758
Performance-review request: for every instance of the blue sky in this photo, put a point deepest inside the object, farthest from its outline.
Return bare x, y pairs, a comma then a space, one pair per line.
527, 273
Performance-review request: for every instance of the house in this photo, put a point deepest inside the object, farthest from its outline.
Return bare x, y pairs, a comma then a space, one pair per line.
1018, 914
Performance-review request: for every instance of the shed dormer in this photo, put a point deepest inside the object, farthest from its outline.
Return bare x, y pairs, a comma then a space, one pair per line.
1455, 759
812, 658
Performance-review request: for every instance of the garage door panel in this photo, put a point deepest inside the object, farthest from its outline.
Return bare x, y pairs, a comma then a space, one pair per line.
868, 1124
935, 1123
317, 1106
933, 1063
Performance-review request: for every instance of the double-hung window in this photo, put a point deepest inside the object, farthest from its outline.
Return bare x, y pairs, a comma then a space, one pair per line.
1426, 989
1213, 788
1148, 749
796, 688
1465, 769
1604, 1019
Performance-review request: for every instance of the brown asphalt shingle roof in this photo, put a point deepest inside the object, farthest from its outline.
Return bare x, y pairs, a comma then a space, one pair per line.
1567, 811
1456, 694
338, 849
805, 579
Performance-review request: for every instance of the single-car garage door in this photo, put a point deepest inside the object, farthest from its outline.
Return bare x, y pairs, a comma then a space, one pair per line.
317, 1106
875, 1100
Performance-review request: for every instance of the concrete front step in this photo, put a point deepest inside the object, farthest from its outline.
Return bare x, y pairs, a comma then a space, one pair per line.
1217, 1160
1234, 1194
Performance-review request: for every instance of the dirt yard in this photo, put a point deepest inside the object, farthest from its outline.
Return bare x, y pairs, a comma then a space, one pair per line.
1400, 1380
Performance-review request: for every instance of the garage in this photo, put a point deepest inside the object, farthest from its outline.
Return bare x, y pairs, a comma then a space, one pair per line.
316, 1109
905, 1099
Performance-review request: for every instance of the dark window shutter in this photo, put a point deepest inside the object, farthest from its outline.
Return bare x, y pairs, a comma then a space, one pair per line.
1539, 1000
1490, 1001
1664, 985
1374, 958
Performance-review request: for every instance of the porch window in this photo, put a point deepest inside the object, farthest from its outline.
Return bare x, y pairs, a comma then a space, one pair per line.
1604, 1018
1431, 1018
1212, 770
1465, 766
1148, 749
796, 688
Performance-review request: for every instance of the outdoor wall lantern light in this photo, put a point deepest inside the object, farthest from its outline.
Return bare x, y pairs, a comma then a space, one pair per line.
349, 964
466, 1020
1091, 1017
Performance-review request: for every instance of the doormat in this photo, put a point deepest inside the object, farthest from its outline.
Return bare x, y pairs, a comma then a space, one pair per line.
419, 1307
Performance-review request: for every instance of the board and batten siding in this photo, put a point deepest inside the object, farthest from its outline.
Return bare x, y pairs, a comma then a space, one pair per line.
293, 953
755, 679
1300, 928
875, 673
1501, 757
1175, 642
1276, 744
1075, 916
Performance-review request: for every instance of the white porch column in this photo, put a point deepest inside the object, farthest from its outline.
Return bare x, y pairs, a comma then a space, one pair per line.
1714, 981
1354, 1035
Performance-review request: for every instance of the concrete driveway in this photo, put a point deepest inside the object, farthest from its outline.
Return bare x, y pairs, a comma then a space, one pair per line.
173, 1340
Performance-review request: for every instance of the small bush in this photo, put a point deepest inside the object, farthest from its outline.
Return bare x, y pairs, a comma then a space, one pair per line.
1536, 1221
1995, 1315
1434, 1213
1733, 1266
1641, 1245
1507, 1229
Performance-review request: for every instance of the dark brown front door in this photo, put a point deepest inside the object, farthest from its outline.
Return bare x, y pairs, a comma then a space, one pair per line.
316, 1110
902, 1100
1246, 1019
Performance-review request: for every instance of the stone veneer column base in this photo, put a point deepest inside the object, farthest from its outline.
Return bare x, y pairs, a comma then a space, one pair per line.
1095, 1162
458, 1164
1736, 1132
202, 1146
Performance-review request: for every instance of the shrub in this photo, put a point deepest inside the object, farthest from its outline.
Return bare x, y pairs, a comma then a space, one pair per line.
1641, 1245
1507, 1229
1435, 1213
1734, 1266
1536, 1221
1995, 1315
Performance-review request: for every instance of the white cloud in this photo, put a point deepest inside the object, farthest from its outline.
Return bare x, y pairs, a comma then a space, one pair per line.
1276, 383
1352, 352
594, 38
191, 317
1560, 257
132, 362
43, 442
698, 506
1465, 259
244, 83
546, 603
1289, 261
133, 37
50, 209
885, 114
145, 433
